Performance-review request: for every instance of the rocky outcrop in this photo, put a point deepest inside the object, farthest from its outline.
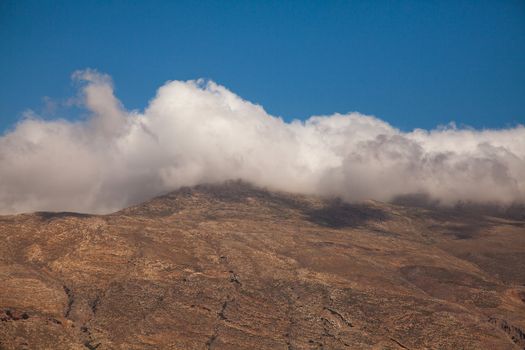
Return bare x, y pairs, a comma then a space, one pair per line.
237, 267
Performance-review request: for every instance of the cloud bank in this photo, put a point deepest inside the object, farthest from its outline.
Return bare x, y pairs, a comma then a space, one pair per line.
199, 132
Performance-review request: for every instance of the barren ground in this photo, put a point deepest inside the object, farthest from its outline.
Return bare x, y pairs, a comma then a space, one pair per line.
237, 267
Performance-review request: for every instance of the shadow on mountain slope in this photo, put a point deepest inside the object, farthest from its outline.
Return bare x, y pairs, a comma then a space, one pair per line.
328, 212
338, 214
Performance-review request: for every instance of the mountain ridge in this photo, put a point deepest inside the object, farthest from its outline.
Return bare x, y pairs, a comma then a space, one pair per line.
235, 266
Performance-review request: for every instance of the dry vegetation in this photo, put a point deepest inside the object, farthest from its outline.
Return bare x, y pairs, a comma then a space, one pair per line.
236, 267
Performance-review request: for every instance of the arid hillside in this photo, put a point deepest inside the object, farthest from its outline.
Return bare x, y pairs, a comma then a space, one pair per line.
233, 266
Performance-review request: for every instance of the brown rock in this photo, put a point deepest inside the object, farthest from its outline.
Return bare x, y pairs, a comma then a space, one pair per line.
233, 266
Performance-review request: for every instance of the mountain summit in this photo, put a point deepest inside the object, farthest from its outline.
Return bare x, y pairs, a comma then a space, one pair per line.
234, 266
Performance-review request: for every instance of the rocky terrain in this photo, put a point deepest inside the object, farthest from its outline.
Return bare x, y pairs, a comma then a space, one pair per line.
233, 266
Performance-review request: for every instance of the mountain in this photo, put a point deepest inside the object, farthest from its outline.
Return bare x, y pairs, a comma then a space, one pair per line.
234, 266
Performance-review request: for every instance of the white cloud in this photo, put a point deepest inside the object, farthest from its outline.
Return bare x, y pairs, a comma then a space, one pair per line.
195, 131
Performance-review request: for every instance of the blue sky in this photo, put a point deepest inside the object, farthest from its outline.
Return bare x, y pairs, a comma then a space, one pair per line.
411, 63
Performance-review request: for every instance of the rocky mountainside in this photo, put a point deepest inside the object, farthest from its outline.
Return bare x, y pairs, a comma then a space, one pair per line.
233, 266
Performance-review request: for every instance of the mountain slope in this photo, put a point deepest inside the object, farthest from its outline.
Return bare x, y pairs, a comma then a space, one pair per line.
233, 266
